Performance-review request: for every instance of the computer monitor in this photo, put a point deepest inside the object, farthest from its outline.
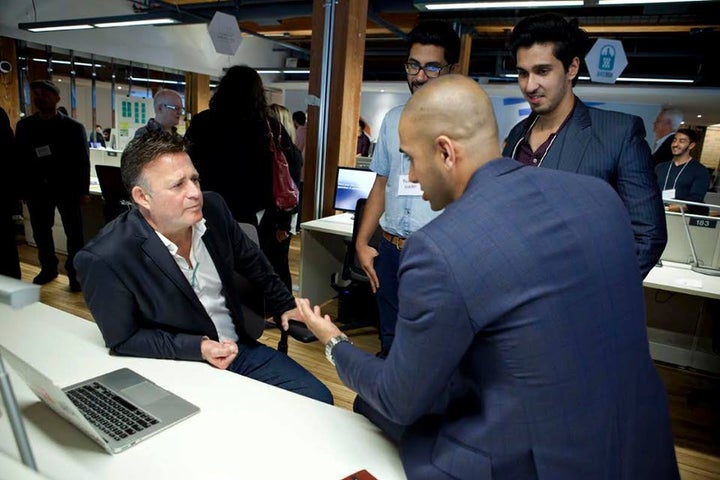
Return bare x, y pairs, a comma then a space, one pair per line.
352, 184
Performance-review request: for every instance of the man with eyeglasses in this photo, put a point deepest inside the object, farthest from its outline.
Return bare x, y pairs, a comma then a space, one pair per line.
168, 112
395, 203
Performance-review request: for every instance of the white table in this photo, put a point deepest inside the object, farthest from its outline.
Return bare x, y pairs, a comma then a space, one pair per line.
322, 252
687, 348
245, 429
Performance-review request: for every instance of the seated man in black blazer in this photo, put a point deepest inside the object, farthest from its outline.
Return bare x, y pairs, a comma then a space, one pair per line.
159, 278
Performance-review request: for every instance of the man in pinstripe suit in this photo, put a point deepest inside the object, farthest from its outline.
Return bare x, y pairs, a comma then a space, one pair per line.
521, 350
565, 134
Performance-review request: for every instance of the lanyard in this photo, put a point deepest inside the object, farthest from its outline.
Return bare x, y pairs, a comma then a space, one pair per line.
553, 136
667, 175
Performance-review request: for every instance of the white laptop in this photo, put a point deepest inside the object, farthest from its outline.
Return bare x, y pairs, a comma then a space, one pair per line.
117, 409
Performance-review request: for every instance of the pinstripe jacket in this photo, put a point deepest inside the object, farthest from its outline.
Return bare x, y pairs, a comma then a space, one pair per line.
611, 146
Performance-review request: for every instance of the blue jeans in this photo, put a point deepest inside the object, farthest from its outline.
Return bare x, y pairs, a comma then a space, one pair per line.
386, 267
260, 362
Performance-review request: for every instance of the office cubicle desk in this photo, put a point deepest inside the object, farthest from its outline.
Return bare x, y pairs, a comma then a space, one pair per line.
682, 306
245, 429
324, 242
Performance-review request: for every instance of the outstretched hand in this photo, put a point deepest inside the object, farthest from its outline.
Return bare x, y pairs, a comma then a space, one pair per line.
321, 326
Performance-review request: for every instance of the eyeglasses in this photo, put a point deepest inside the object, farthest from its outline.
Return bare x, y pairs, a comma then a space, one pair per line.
432, 70
181, 109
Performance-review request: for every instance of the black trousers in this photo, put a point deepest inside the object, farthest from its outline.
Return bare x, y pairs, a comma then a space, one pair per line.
276, 252
9, 261
42, 219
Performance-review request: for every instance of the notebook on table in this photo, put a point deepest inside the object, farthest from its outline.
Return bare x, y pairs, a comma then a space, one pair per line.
117, 409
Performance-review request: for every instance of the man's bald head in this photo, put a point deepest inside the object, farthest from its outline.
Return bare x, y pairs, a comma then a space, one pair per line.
448, 130
457, 107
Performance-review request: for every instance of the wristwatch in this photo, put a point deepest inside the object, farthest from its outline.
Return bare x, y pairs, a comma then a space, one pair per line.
331, 344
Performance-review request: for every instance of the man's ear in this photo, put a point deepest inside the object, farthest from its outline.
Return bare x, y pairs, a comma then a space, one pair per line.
445, 147
574, 68
139, 196
455, 68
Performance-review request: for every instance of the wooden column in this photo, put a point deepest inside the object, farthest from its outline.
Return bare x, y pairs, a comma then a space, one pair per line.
465, 50
10, 91
344, 101
197, 93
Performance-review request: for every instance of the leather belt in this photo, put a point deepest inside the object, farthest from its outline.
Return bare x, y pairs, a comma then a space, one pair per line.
399, 242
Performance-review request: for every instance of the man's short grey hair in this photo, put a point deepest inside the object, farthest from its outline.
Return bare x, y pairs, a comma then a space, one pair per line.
674, 114
163, 92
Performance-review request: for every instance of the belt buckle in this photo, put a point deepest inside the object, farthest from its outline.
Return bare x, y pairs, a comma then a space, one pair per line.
397, 241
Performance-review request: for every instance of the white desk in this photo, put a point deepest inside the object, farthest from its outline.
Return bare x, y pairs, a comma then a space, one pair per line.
245, 429
688, 347
321, 254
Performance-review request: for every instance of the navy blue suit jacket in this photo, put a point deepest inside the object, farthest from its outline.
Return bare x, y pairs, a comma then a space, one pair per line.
521, 349
610, 145
144, 305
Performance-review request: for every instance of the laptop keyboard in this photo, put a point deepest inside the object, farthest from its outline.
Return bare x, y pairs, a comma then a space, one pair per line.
110, 413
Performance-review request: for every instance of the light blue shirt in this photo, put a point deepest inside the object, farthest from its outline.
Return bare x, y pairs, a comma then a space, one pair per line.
403, 214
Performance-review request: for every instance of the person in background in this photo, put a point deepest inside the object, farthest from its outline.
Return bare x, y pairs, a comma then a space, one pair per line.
230, 146
160, 279
98, 137
276, 251
510, 362
683, 177
394, 204
363, 141
299, 120
53, 151
169, 110
565, 134
666, 123
9, 195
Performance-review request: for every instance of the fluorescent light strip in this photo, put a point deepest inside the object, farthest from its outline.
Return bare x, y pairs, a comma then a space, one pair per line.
65, 62
638, 2
156, 80
304, 71
507, 4
626, 79
131, 23
60, 28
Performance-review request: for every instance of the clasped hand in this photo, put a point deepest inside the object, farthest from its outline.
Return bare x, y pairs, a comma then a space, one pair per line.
218, 354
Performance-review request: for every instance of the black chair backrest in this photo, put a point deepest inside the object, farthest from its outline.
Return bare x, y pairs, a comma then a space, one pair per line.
111, 184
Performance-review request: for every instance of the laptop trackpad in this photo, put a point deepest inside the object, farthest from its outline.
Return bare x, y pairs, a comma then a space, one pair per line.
144, 393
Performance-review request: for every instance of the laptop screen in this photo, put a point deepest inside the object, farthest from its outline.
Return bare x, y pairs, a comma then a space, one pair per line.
352, 184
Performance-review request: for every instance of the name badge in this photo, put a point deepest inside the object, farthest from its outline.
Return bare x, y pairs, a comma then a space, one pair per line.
668, 194
43, 151
406, 188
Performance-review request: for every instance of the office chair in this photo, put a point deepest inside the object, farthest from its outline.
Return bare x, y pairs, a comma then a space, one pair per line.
357, 307
253, 303
116, 199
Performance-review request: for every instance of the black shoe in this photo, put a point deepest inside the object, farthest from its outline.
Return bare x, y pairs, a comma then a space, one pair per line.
75, 286
45, 276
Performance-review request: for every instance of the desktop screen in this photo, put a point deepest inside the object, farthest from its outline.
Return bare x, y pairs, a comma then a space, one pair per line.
351, 185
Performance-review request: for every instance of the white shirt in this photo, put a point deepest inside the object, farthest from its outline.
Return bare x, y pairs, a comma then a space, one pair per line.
204, 279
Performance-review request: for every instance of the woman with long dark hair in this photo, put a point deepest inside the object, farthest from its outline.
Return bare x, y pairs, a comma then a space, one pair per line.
230, 146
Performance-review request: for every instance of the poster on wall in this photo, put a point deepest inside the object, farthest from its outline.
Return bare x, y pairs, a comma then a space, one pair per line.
131, 113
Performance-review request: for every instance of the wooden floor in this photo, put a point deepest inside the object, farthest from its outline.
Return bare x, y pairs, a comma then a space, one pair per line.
694, 397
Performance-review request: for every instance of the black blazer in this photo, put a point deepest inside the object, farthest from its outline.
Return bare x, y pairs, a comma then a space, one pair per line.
611, 146
143, 304
663, 153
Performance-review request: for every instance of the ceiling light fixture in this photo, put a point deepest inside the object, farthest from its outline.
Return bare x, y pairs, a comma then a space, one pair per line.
439, 6
157, 80
142, 19
638, 2
287, 71
65, 62
626, 79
